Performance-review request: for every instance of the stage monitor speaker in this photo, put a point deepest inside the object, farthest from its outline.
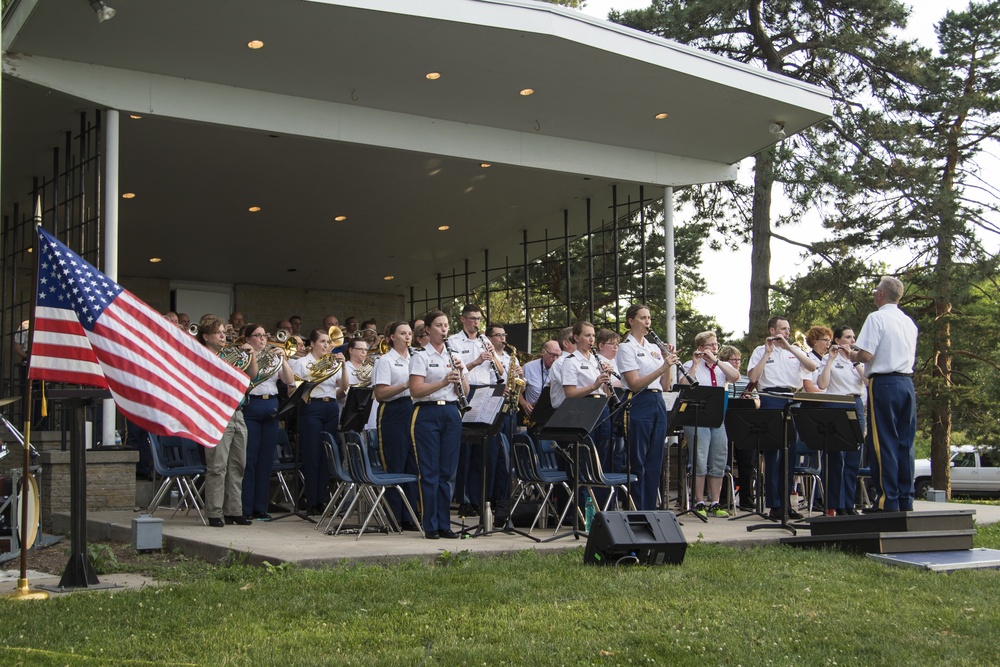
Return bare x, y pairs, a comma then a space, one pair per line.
629, 538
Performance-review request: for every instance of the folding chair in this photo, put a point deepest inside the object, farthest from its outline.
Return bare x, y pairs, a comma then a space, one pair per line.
176, 460
364, 475
592, 476
808, 472
345, 485
283, 465
532, 477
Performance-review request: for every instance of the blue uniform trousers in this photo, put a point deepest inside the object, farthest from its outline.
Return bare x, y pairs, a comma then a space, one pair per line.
892, 421
315, 417
262, 441
842, 467
646, 431
774, 459
436, 431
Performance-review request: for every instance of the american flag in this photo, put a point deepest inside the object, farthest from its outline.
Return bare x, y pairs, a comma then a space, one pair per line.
91, 331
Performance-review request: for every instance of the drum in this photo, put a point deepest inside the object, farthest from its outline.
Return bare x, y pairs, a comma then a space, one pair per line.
34, 513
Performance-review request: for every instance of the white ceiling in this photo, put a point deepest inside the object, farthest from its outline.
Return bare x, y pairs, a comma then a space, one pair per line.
589, 125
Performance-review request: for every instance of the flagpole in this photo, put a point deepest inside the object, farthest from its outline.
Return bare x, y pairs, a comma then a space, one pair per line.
23, 590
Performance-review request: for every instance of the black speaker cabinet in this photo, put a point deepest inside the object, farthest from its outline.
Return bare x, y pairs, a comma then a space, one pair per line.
627, 538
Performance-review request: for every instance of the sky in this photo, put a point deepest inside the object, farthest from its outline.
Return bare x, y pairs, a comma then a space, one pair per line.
729, 302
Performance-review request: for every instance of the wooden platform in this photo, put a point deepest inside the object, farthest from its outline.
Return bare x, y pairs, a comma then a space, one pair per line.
890, 532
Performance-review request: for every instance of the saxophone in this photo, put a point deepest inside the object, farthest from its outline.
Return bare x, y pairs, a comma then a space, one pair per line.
515, 383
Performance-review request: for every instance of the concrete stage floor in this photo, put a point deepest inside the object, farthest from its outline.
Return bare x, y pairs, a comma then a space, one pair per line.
295, 540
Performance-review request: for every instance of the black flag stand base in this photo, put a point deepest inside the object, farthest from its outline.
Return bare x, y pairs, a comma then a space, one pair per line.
79, 573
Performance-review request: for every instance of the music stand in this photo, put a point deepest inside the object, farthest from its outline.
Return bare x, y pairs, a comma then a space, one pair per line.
572, 422
700, 407
357, 408
828, 429
481, 423
760, 430
299, 396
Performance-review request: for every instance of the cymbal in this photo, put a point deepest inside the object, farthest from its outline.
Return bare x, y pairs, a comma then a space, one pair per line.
8, 401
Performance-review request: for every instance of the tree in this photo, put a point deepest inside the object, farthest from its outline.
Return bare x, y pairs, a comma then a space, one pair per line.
847, 46
920, 187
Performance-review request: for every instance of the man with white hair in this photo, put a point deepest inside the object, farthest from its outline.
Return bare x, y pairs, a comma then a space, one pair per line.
887, 347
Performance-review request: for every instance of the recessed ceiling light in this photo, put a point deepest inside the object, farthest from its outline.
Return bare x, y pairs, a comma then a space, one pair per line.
255, 44
389, 278
340, 218
485, 165
155, 260
128, 195
254, 209
661, 116
527, 91
443, 228
134, 116
433, 76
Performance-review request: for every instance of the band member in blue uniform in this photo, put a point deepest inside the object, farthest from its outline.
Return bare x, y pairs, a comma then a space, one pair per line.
646, 371
391, 379
887, 346
437, 384
260, 414
317, 414
777, 367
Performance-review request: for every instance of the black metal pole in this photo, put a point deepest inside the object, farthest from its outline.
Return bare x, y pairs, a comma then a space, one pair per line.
78, 573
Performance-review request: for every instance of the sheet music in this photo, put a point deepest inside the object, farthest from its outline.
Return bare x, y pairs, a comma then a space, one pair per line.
484, 408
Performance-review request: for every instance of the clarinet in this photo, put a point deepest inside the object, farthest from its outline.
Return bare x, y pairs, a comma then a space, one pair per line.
680, 366
493, 359
463, 402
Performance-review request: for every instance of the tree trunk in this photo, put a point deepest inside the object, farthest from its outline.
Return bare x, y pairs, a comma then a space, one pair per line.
760, 235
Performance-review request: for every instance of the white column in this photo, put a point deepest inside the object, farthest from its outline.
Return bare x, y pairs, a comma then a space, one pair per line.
668, 264
110, 210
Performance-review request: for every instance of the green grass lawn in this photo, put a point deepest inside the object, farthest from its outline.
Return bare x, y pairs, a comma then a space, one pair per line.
722, 606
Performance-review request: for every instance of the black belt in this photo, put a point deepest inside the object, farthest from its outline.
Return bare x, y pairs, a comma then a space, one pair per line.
890, 375
778, 389
653, 391
325, 399
262, 397
423, 403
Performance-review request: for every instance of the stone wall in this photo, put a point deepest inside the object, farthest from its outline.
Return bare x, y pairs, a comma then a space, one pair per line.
110, 482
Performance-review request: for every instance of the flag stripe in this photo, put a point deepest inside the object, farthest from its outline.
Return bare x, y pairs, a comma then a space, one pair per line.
90, 331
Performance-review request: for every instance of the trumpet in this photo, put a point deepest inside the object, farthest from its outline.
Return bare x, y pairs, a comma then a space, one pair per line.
193, 329
283, 341
463, 401
680, 366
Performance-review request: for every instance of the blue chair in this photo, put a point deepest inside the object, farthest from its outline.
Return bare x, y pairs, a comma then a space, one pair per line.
808, 468
534, 479
361, 471
177, 460
374, 454
284, 465
346, 486
592, 476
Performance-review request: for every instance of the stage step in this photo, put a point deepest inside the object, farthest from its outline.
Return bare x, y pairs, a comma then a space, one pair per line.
888, 542
892, 522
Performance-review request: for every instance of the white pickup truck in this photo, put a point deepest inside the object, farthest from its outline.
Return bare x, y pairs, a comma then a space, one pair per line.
974, 471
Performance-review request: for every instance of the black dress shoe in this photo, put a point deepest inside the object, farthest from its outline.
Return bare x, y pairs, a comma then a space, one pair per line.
792, 514
850, 511
215, 522
431, 535
315, 510
448, 534
261, 516
239, 520
872, 510
409, 527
